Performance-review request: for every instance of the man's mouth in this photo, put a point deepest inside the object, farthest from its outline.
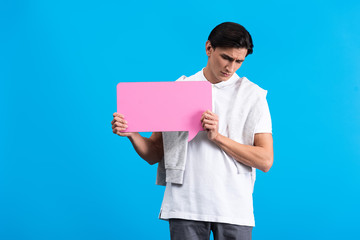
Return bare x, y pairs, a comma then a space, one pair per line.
225, 74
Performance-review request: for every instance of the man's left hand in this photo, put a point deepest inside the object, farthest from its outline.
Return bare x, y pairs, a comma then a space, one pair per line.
210, 123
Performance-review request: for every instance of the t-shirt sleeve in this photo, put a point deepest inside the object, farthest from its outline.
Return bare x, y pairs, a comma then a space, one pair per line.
264, 124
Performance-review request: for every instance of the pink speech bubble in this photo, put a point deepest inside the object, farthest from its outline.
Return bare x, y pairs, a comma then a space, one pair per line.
164, 106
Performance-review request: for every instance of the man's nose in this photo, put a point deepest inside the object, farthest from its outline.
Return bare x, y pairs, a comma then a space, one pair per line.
230, 66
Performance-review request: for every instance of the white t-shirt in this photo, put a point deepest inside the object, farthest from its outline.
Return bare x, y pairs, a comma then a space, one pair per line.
214, 188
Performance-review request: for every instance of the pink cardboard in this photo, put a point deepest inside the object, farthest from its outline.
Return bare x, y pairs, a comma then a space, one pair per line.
164, 106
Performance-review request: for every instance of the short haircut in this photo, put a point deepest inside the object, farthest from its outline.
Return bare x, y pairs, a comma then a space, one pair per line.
231, 35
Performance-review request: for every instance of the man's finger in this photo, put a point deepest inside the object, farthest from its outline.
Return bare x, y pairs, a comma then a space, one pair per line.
206, 127
211, 117
118, 115
208, 121
120, 120
120, 128
210, 112
117, 124
123, 134
209, 127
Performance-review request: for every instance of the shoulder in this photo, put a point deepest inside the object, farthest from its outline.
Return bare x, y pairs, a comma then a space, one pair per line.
249, 86
195, 77
182, 78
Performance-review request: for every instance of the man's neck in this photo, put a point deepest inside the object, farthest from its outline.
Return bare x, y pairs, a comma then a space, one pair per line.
207, 75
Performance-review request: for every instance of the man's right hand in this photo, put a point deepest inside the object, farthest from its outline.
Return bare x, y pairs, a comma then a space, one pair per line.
119, 124
149, 149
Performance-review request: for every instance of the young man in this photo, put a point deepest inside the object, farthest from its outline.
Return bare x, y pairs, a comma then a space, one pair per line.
216, 191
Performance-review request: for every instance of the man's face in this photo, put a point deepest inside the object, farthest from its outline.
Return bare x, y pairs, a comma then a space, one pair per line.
223, 62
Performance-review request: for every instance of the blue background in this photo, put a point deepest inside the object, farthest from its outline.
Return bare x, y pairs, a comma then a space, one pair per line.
65, 175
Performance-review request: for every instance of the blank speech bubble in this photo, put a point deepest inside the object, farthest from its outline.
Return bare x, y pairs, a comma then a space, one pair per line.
164, 106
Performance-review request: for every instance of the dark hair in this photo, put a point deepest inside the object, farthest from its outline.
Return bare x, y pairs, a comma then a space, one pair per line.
233, 35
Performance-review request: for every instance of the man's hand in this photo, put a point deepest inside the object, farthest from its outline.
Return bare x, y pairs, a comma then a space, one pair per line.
210, 123
149, 149
120, 124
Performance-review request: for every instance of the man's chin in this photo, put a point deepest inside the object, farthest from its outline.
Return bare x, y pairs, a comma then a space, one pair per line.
224, 78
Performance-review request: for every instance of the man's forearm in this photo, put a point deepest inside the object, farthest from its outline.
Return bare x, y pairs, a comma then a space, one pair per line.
253, 156
147, 149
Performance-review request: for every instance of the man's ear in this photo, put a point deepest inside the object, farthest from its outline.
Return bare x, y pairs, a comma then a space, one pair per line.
208, 48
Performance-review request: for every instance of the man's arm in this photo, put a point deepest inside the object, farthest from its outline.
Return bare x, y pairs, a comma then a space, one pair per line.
259, 156
149, 149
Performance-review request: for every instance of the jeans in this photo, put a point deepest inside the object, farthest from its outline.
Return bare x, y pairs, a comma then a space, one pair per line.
181, 229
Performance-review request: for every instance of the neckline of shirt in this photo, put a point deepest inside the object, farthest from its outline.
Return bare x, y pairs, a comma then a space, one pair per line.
222, 84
